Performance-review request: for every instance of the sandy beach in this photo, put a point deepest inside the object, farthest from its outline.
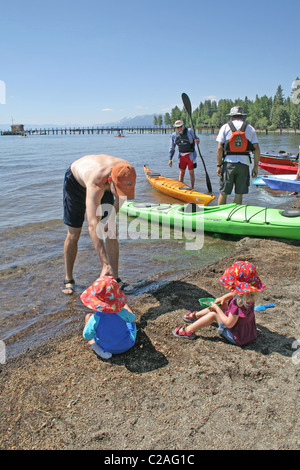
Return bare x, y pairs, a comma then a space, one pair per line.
167, 393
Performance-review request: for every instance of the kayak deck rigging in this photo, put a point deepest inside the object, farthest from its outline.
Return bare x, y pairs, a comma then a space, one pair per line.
247, 220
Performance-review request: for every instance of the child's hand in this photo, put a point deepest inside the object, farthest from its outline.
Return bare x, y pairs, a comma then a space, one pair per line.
224, 298
128, 308
213, 306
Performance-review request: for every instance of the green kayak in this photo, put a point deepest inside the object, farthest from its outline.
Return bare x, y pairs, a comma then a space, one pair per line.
229, 218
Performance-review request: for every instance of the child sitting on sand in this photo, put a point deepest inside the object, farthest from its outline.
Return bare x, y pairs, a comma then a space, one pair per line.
111, 329
234, 312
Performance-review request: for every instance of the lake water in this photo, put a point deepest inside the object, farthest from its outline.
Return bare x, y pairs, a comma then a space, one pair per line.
32, 233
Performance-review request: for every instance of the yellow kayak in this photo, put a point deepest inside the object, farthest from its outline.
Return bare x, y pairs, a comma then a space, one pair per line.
176, 189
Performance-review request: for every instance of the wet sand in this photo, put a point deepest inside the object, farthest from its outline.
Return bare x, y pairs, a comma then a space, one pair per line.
167, 393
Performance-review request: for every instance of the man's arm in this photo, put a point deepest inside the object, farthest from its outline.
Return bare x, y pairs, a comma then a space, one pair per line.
93, 198
220, 149
256, 160
220, 152
192, 136
171, 150
298, 171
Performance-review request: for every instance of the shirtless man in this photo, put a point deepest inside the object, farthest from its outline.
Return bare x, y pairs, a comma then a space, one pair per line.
90, 181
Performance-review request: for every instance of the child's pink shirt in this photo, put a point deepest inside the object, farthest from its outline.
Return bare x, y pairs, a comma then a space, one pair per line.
244, 331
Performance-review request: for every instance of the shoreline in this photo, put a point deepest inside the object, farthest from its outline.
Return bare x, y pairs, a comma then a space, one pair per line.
166, 393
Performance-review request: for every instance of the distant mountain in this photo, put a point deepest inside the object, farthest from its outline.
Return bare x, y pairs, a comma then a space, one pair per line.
140, 121
145, 120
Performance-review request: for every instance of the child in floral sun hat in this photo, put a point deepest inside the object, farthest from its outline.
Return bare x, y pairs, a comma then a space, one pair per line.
235, 312
111, 329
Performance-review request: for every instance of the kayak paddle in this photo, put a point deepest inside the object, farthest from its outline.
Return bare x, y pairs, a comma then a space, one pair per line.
188, 107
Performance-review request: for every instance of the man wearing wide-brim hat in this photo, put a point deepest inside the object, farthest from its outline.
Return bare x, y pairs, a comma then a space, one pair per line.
237, 140
185, 139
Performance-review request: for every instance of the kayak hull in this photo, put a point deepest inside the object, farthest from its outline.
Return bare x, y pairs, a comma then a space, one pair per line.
279, 169
278, 159
282, 184
260, 180
232, 219
176, 189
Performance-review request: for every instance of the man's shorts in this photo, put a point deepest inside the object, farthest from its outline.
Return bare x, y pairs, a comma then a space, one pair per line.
185, 161
74, 196
237, 175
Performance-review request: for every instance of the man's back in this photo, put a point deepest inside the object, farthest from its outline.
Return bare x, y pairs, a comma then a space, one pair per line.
94, 169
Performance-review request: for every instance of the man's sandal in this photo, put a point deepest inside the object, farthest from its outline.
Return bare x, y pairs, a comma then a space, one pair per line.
69, 287
190, 317
121, 283
180, 332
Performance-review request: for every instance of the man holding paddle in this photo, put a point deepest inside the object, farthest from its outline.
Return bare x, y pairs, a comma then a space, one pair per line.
185, 140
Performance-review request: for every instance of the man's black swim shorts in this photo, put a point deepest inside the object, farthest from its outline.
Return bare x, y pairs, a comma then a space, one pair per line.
74, 196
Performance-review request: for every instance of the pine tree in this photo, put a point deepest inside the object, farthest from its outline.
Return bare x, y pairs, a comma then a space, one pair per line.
264, 112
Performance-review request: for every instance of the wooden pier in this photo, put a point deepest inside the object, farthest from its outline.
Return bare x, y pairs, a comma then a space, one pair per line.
100, 130
21, 131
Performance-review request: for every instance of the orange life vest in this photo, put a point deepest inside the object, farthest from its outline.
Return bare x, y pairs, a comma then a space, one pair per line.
238, 142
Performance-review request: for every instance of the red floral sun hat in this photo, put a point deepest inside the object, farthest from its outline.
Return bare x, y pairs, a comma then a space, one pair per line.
242, 278
104, 295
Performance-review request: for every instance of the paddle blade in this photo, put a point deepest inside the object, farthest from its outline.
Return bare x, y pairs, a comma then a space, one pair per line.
186, 103
208, 183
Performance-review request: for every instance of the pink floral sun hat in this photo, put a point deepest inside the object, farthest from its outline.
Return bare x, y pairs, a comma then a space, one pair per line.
242, 278
104, 295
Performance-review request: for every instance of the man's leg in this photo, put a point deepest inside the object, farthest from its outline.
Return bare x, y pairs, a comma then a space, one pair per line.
182, 168
238, 198
181, 175
112, 250
226, 182
241, 182
192, 177
222, 199
70, 253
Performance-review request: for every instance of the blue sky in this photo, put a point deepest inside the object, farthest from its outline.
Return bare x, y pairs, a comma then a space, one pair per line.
94, 61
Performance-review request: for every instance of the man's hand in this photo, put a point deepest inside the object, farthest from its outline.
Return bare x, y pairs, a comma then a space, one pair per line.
219, 171
254, 172
106, 271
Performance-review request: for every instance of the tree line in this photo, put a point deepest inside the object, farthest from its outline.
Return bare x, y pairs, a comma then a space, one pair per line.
263, 113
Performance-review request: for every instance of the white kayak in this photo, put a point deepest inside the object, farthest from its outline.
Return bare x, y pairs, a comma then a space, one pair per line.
261, 180
283, 184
